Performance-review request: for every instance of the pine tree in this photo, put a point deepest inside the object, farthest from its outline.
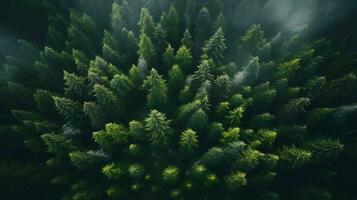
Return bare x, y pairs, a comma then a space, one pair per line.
95, 114
170, 21
117, 21
72, 111
147, 49
215, 46
187, 39
183, 58
122, 86
222, 88
170, 174
113, 135
110, 51
108, 101
168, 57
253, 42
75, 86
201, 34
236, 180
176, 81
81, 61
146, 23
202, 74
82, 34
156, 86
188, 141
158, 129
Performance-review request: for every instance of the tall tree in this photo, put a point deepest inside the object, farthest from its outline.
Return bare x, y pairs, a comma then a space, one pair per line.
201, 34
157, 91
82, 34
170, 21
146, 23
215, 46
158, 129
184, 58
147, 49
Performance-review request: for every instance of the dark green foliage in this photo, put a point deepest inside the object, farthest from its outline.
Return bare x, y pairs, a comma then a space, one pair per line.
159, 99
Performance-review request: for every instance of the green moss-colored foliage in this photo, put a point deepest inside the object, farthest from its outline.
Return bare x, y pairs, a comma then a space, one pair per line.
186, 100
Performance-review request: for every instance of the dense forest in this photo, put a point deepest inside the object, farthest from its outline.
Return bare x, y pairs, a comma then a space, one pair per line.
178, 99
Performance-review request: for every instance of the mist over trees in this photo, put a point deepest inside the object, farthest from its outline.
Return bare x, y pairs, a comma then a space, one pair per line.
180, 99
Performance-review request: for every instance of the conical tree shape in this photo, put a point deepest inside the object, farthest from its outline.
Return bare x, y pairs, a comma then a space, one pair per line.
158, 129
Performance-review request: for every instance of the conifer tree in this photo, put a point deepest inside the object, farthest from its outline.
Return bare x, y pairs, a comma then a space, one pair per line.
72, 111
156, 86
183, 58
170, 21
202, 74
201, 34
108, 101
187, 39
188, 141
147, 49
75, 86
82, 34
176, 81
146, 23
215, 46
168, 57
158, 129
110, 52
253, 42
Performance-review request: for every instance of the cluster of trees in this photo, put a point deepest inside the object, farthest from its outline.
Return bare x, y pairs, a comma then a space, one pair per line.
162, 101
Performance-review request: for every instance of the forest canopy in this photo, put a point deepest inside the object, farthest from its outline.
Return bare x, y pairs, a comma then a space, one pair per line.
178, 99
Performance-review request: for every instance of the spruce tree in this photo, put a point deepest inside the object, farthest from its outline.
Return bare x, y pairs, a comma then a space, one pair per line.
158, 128
157, 91
215, 46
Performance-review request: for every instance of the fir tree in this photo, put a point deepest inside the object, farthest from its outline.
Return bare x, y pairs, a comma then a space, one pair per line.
188, 141
158, 129
82, 34
215, 46
146, 49
184, 58
170, 21
187, 39
146, 23
157, 96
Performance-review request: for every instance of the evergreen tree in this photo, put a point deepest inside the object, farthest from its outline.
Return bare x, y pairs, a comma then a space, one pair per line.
156, 86
215, 46
147, 49
184, 58
117, 21
146, 23
175, 81
75, 86
110, 52
187, 39
202, 74
72, 111
253, 42
188, 141
158, 129
82, 34
108, 101
170, 21
168, 57
201, 34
